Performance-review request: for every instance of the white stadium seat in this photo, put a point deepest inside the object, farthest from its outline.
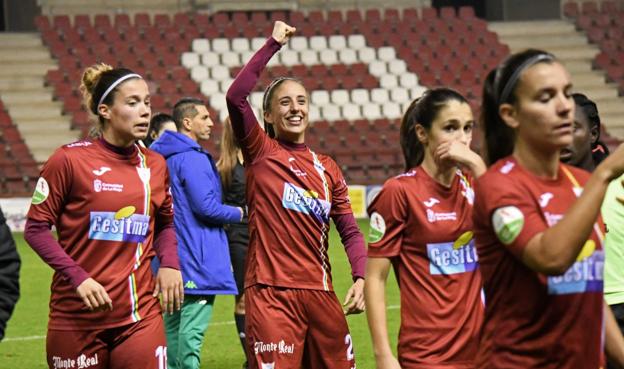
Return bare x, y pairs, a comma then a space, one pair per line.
299, 43
289, 57
219, 72
209, 87
371, 111
256, 99
330, 112
225, 84
397, 67
408, 80
318, 43
199, 73
257, 43
399, 95
351, 111
417, 91
246, 56
230, 59
360, 96
377, 68
379, 95
309, 57
314, 113
337, 42
388, 81
210, 58
391, 110
189, 60
347, 56
340, 97
386, 53
328, 56
220, 45
356, 42
366, 55
217, 101
200, 45
319, 97
240, 44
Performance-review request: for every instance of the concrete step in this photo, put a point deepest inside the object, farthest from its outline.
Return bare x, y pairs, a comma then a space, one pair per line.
26, 69
18, 55
537, 28
17, 83
42, 95
544, 42
611, 109
599, 93
50, 142
43, 112
18, 40
617, 132
53, 125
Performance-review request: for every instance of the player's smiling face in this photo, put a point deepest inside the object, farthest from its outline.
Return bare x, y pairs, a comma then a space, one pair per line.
289, 111
129, 115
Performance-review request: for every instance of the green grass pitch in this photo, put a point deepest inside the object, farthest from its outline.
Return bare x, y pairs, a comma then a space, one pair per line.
24, 343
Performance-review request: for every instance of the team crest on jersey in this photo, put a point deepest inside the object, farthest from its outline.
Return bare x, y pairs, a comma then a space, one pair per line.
101, 186
508, 222
455, 257
42, 191
377, 227
305, 201
123, 225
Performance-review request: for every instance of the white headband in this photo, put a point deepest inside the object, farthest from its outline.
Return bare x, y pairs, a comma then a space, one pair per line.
115, 84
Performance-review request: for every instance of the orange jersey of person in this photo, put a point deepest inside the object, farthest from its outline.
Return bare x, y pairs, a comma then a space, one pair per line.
104, 205
425, 229
533, 320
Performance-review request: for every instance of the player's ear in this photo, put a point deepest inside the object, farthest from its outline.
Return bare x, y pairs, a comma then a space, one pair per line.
421, 134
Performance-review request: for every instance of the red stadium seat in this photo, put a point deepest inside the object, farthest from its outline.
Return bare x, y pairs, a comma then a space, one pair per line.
82, 21
589, 8
142, 20
571, 9
466, 12
122, 21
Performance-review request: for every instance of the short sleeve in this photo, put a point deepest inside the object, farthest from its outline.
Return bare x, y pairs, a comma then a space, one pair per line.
52, 188
513, 216
340, 203
388, 215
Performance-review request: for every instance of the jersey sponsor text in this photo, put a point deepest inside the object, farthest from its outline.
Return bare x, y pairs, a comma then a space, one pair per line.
447, 258
307, 202
108, 226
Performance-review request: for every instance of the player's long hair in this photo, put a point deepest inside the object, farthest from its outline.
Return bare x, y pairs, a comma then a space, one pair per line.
96, 80
423, 111
228, 155
500, 88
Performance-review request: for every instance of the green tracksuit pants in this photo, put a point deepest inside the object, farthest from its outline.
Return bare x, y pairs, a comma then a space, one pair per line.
185, 331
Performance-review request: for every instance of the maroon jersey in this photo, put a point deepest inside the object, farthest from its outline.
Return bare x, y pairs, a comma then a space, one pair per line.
104, 206
426, 230
291, 192
533, 320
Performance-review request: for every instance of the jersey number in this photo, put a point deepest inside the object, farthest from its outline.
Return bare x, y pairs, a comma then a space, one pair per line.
161, 354
349, 343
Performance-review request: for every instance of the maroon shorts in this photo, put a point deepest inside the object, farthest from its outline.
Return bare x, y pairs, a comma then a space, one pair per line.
296, 328
141, 345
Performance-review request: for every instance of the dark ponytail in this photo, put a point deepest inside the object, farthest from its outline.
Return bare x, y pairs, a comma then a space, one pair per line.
499, 88
423, 111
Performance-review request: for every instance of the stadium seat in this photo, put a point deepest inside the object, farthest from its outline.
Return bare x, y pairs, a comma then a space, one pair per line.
339, 97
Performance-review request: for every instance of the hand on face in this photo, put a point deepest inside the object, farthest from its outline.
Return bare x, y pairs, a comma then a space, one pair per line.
282, 32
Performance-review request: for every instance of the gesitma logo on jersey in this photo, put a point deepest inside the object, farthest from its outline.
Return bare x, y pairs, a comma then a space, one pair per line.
123, 225
455, 257
305, 201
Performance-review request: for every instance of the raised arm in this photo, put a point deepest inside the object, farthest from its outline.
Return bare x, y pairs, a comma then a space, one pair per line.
241, 114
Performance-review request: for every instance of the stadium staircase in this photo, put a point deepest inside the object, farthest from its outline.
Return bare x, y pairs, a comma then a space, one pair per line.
24, 61
574, 48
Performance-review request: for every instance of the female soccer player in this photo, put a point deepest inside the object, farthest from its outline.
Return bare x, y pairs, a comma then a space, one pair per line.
536, 223
421, 224
293, 317
586, 151
109, 201
232, 172
160, 123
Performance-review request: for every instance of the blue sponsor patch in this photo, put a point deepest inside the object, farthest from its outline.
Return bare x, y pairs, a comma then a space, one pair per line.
583, 276
444, 258
304, 201
104, 226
